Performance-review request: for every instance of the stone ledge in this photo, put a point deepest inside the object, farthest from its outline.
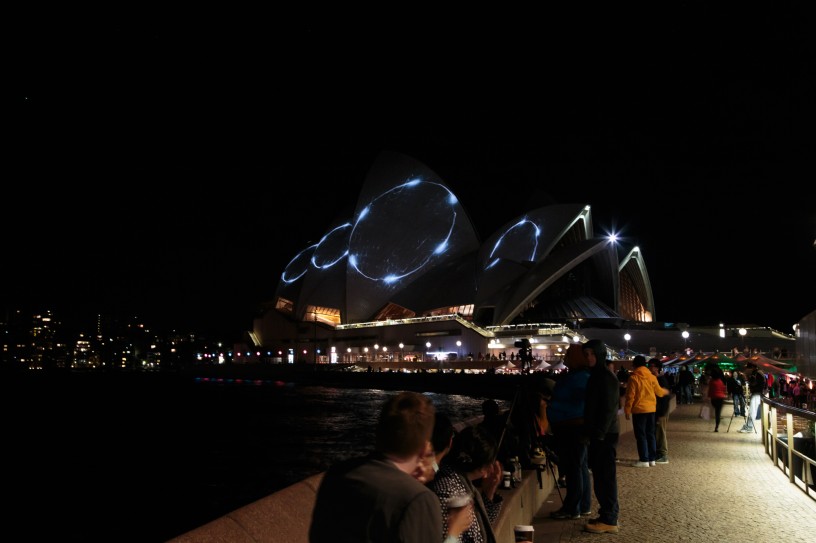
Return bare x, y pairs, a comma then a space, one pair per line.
286, 514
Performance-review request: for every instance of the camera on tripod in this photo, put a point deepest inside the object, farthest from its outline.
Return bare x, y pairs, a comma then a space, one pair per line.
525, 352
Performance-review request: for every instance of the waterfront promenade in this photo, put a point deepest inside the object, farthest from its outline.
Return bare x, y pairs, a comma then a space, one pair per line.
716, 487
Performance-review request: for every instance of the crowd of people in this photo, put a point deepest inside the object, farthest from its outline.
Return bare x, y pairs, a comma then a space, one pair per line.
423, 481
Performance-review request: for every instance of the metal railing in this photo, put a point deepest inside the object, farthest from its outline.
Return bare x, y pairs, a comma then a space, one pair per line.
784, 425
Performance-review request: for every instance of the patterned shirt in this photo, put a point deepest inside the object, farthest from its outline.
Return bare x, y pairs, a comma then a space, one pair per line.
448, 482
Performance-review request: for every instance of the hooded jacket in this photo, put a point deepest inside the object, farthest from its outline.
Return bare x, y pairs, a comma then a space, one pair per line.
603, 396
642, 391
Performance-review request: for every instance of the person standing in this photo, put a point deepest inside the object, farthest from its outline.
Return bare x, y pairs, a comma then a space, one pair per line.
661, 414
734, 385
640, 406
685, 381
756, 387
375, 497
565, 413
717, 392
623, 377
472, 458
601, 431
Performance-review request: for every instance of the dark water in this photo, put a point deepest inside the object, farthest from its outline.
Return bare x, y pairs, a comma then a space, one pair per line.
146, 459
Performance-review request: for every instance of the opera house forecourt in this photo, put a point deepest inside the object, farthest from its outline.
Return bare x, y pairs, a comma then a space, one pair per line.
403, 282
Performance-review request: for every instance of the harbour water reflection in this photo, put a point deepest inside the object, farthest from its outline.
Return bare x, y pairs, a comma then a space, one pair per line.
148, 459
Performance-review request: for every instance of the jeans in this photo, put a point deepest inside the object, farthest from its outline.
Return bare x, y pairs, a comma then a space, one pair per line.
572, 458
602, 455
753, 410
739, 404
643, 425
685, 394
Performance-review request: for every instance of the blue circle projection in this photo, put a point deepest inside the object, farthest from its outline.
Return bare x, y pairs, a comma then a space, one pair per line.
332, 247
390, 242
298, 266
515, 242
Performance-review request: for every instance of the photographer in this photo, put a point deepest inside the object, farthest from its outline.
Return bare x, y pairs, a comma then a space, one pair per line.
565, 413
757, 385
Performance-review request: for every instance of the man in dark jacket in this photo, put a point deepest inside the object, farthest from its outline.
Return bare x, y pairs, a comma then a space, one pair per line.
734, 384
756, 386
602, 432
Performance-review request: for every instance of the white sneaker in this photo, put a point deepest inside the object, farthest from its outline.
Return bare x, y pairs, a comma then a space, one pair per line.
651, 463
640, 464
745, 430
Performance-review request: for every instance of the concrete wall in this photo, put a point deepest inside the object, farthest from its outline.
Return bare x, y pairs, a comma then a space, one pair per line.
286, 514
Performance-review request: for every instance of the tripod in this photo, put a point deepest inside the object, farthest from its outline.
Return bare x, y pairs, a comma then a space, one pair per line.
753, 422
538, 454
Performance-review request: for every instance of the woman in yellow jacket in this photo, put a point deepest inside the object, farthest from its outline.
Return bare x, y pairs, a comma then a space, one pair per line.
642, 391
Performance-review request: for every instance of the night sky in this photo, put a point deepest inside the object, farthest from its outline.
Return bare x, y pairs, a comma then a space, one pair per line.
172, 170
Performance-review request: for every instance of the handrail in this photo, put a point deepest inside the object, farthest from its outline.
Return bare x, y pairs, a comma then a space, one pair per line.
781, 423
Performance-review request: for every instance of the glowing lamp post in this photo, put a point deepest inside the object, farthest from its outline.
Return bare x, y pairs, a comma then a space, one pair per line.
685, 335
402, 355
458, 349
627, 337
742, 332
427, 348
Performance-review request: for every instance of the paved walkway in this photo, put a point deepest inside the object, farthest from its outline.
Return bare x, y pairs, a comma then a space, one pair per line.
716, 487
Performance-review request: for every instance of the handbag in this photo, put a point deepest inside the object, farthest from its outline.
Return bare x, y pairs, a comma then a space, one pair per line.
705, 412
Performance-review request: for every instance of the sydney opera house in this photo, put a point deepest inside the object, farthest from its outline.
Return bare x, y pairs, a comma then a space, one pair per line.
405, 277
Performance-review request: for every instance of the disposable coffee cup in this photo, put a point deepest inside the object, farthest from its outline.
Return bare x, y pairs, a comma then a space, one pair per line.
524, 533
461, 500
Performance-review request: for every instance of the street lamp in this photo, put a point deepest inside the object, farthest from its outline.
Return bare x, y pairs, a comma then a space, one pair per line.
458, 349
427, 348
627, 337
376, 353
742, 332
402, 355
685, 335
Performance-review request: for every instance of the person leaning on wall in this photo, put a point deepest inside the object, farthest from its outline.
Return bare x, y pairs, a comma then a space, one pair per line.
376, 497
